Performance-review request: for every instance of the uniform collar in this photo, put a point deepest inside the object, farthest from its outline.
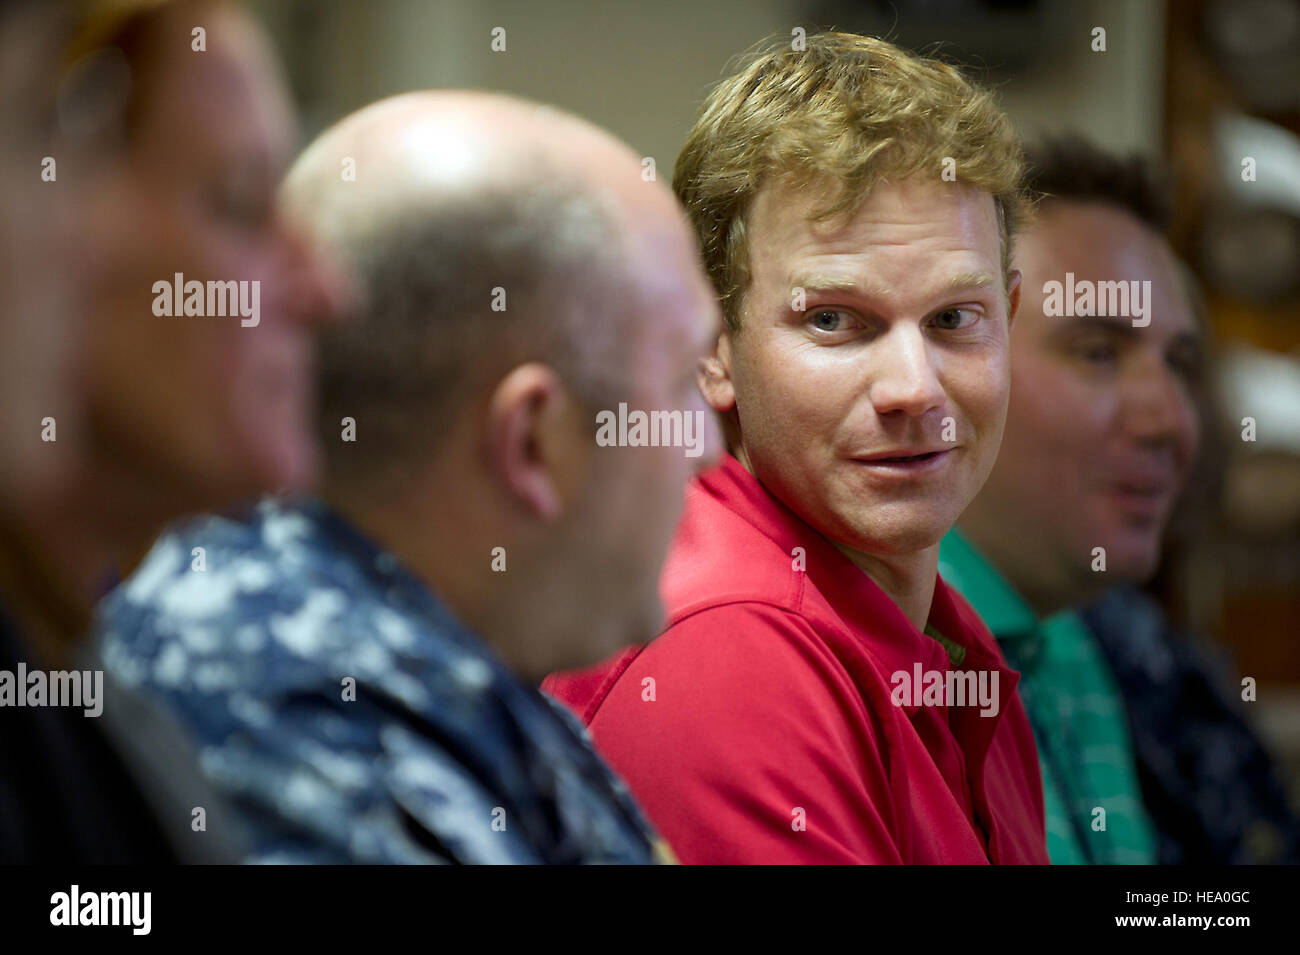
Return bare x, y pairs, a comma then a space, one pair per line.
331, 533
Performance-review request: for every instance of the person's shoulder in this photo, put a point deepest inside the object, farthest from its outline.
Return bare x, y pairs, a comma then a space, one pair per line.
197, 568
1133, 632
261, 604
750, 621
720, 558
734, 655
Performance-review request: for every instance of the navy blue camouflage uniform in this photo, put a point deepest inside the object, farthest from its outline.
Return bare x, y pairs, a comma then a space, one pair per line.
346, 713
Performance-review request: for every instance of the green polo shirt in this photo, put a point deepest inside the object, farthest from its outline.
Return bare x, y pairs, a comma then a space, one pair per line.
1077, 713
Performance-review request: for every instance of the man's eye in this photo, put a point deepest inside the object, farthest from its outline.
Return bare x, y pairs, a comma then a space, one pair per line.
247, 211
951, 319
829, 320
1098, 353
242, 199
1190, 365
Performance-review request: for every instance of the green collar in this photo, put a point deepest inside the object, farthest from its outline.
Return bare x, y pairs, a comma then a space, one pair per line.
956, 652
963, 567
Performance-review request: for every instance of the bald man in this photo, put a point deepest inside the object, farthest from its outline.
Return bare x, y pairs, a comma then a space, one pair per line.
359, 668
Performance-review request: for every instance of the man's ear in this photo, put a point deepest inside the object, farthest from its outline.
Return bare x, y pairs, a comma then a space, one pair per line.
714, 377
534, 442
1013, 297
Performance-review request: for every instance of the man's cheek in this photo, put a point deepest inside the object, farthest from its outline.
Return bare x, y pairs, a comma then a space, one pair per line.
1190, 433
977, 401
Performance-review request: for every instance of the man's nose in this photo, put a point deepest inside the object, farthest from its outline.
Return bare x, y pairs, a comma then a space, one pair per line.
903, 378
1158, 406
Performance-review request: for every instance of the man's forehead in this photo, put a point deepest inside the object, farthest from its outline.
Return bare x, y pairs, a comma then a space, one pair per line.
891, 219
1079, 246
1096, 236
232, 88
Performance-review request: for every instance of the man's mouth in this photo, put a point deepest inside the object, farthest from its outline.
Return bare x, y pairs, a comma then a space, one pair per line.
1143, 502
901, 459
906, 461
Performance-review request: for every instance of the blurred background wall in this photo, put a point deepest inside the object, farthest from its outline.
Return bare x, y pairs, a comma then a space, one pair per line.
640, 69
1198, 85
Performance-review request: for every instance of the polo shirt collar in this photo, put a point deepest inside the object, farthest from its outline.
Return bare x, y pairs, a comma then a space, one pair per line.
1013, 621
869, 613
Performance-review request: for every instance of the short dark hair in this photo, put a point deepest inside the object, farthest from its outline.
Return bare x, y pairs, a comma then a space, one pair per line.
1072, 168
426, 331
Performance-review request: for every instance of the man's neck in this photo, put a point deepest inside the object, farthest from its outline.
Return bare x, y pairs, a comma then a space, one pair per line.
119, 506
69, 549
427, 544
54, 566
1026, 570
906, 579
449, 547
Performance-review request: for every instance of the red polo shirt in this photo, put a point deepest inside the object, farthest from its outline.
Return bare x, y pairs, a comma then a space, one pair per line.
759, 728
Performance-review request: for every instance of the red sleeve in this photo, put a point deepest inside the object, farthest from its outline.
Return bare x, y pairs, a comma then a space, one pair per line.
756, 746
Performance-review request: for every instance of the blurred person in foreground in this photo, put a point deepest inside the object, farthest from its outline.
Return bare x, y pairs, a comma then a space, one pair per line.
40, 271
820, 695
172, 156
41, 751
1102, 436
357, 668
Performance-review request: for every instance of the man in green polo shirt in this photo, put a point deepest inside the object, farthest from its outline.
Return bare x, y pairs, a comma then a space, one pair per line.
1100, 436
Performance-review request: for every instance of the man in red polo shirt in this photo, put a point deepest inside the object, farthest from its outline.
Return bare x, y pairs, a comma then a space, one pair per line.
820, 695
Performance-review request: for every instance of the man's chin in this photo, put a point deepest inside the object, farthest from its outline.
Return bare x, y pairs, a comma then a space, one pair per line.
290, 465
1127, 562
1134, 568
650, 623
608, 641
894, 534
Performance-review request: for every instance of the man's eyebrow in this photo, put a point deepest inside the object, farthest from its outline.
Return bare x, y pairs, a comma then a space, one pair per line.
969, 280
1114, 325
825, 282
1192, 340
1100, 323
821, 282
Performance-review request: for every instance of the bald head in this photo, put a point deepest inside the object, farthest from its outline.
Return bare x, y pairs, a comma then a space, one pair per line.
519, 277
430, 147
485, 231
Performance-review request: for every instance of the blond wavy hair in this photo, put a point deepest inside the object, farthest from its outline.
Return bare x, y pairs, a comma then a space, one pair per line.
851, 110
